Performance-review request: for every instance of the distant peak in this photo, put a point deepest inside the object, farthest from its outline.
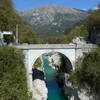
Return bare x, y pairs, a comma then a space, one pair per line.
52, 5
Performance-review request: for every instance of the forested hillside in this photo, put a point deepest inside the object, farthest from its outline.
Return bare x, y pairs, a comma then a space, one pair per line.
85, 28
9, 19
93, 26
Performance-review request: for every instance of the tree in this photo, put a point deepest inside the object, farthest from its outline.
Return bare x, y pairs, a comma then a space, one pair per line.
13, 80
93, 20
87, 75
9, 19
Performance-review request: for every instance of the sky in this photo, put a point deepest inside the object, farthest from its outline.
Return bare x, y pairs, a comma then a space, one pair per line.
79, 4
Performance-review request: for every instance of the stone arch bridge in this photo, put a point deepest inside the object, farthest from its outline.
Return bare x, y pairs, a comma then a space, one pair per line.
33, 51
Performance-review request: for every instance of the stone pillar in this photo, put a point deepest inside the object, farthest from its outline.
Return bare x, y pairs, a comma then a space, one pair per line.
78, 53
29, 72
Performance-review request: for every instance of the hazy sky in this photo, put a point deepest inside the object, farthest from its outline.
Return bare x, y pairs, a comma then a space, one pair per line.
80, 4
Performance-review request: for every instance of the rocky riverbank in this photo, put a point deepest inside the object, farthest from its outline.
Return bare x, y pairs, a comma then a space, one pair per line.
40, 90
73, 92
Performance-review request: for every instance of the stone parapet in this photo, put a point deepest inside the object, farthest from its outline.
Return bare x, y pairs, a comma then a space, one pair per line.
56, 46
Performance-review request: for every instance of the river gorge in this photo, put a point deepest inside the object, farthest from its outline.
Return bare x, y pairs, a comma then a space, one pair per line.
51, 74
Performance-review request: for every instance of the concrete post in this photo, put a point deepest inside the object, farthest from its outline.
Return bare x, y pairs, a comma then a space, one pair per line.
17, 34
1, 37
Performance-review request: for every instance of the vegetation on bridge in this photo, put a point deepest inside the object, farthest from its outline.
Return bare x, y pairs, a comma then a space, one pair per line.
13, 80
38, 63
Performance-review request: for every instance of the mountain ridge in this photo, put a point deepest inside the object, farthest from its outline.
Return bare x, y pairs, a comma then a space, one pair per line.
52, 20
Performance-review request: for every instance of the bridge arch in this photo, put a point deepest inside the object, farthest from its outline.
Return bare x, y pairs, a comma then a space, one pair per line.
65, 61
32, 56
44, 73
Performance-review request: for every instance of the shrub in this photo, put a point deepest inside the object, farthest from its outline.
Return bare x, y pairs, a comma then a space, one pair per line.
38, 63
87, 75
9, 20
13, 82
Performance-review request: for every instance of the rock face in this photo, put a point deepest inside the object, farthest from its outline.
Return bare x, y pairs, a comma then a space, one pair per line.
39, 90
55, 61
73, 92
60, 62
52, 20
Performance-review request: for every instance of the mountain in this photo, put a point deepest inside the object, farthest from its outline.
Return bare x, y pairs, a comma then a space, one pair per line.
52, 20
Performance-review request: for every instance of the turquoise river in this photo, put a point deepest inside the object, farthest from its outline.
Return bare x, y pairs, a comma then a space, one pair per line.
54, 91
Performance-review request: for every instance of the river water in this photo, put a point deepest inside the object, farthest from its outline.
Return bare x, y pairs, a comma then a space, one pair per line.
54, 91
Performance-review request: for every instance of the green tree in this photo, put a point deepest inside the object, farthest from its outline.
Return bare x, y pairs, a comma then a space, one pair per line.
87, 75
13, 80
93, 20
9, 19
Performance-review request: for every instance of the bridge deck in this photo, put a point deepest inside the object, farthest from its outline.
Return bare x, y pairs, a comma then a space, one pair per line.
56, 46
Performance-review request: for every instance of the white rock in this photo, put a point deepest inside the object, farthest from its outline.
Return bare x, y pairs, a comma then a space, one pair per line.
54, 60
82, 95
73, 92
39, 90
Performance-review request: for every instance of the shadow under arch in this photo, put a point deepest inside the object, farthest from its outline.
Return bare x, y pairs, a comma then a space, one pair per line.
66, 65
